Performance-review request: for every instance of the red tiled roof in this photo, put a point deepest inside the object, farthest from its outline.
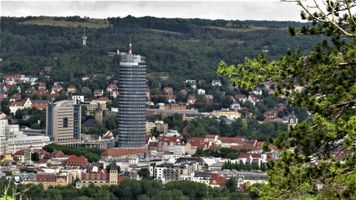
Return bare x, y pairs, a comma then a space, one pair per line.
40, 105
174, 140
199, 142
16, 103
248, 155
153, 145
168, 90
45, 177
8, 86
270, 114
259, 145
57, 154
76, 161
244, 155
231, 139
19, 153
273, 147
103, 99
243, 147
195, 141
217, 179
341, 155
121, 152
99, 176
256, 155
8, 77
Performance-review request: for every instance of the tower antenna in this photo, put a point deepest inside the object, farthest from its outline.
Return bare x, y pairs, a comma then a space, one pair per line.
84, 39
130, 47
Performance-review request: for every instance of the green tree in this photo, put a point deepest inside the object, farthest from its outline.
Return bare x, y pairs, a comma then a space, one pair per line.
327, 76
5, 106
191, 189
170, 195
144, 173
92, 154
231, 185
35, 156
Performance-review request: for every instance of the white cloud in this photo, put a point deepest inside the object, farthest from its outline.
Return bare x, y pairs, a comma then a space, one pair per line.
242, 10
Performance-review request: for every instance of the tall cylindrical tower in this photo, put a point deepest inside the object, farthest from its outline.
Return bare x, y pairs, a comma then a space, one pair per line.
132, 100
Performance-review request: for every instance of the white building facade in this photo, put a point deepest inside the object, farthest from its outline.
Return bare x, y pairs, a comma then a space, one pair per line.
12, 140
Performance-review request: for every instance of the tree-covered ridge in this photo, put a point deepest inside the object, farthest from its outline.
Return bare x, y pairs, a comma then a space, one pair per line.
184, 48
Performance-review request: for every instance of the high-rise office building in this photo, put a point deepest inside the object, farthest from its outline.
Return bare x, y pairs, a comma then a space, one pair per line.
132, 100
63, 120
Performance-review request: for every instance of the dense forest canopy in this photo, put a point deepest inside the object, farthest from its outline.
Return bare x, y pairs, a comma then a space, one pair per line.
184, 48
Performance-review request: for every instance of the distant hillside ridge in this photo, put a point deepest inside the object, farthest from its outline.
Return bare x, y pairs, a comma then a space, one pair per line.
181, 48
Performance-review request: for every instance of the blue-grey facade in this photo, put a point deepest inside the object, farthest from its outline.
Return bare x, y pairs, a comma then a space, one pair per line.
132, 101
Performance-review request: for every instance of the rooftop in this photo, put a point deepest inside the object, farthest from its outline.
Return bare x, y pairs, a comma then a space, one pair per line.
64, 103
121, 151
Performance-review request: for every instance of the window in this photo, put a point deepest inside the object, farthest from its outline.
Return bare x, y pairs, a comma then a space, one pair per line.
65, 122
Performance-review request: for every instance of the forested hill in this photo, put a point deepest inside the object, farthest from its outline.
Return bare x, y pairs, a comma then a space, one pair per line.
185, 48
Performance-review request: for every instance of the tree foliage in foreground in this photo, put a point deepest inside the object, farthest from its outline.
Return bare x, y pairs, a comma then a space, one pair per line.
128, 190
308, 165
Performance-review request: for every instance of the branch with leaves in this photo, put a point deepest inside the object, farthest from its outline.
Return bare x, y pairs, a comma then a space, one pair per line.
331, 15
318, 157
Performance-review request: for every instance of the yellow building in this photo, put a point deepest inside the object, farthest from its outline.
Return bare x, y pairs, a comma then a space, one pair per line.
226, 113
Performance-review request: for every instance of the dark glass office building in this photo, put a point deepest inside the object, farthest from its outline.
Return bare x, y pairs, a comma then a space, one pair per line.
132, 101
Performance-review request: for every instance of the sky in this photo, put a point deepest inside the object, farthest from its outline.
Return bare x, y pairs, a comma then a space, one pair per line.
230, 10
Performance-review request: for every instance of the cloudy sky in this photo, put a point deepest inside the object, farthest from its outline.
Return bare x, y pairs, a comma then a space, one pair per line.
241, 10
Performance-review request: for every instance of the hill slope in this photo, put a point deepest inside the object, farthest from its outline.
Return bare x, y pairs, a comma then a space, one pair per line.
184, 48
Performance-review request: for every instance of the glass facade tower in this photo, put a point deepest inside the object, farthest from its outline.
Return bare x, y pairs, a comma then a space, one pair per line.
132, 101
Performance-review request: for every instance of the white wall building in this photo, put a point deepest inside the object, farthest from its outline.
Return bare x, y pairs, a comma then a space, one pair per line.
79, 98
23, 142
8, 130
176, 149
201, 92
12, 140
216, 83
